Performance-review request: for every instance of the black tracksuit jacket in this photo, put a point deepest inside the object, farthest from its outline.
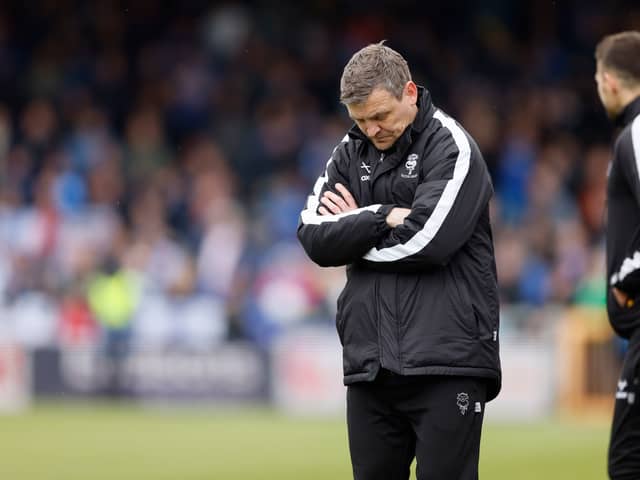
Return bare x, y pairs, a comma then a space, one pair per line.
623, 222
420, 298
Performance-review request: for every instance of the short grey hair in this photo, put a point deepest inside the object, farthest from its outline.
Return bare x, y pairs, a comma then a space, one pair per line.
375, 66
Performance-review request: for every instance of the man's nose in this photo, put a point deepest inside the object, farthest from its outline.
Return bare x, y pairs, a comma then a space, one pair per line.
372, 130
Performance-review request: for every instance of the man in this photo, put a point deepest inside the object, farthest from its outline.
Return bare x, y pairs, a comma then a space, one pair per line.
404, 203
618, 80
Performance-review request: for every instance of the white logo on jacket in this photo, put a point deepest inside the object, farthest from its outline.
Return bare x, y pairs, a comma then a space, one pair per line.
410, 165
367, 168
623, 394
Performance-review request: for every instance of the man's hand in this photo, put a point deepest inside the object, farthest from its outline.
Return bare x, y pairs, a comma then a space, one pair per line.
396, 216
622, 298
335, 204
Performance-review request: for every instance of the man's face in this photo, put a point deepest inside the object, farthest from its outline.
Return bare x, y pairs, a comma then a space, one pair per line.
607, 90
382, 117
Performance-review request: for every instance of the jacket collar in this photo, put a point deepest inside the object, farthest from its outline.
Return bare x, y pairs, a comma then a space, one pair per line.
425, 110
424, 114
631, 111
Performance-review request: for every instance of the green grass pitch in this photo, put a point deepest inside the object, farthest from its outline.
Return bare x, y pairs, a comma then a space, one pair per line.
108, 442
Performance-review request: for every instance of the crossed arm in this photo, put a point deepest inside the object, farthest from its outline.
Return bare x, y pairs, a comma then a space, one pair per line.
334, 204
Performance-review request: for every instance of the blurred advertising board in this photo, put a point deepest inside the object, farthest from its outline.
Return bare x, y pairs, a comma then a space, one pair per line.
528, 380
230, 372
306, 374
15, 378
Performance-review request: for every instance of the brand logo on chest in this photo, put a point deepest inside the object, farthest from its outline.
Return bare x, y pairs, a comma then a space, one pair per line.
410, 165
366, 168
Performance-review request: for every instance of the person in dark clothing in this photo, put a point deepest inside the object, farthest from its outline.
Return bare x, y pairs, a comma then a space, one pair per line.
618, 80
404, 204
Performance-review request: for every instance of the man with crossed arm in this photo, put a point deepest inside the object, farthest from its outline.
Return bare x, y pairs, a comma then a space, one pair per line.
404, 204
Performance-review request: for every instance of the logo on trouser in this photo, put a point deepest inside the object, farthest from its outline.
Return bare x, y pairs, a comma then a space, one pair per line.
623, 394
463, 402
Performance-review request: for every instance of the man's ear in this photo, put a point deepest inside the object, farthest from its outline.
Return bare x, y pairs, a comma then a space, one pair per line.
411, 91
611, 81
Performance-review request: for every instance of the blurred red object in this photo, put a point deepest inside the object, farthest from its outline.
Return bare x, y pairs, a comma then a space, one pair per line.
77, 325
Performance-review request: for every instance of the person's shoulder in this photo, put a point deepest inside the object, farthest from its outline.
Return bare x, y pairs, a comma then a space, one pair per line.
347, 148
339, 158
444, 125
448, 131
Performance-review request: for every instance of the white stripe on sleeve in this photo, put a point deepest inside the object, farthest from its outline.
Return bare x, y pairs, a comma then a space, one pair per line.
431, 227
310, 218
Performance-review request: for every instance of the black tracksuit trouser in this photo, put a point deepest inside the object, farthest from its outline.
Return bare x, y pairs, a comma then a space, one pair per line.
435, 419
624, 445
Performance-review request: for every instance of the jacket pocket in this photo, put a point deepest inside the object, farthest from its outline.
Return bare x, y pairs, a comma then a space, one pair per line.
439, 326
462, 309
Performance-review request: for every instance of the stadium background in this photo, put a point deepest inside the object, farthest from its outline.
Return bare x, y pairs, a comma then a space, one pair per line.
153, 161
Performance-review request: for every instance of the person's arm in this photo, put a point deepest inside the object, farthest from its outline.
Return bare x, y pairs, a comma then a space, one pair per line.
445, 210
625, 282
333, 239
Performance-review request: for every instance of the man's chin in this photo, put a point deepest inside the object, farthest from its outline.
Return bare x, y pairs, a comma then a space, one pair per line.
382, 145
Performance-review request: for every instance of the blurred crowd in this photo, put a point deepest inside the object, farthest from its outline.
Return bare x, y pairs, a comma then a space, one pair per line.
154, 157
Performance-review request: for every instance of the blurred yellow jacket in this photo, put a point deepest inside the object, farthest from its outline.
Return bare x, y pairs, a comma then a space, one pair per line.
113, 298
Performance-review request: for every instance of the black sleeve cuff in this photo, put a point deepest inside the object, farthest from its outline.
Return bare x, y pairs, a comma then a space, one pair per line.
384, 210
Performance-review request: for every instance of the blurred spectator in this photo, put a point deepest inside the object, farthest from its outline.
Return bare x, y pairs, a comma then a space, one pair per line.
77, 324
113, 294
146, 148
284, 290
